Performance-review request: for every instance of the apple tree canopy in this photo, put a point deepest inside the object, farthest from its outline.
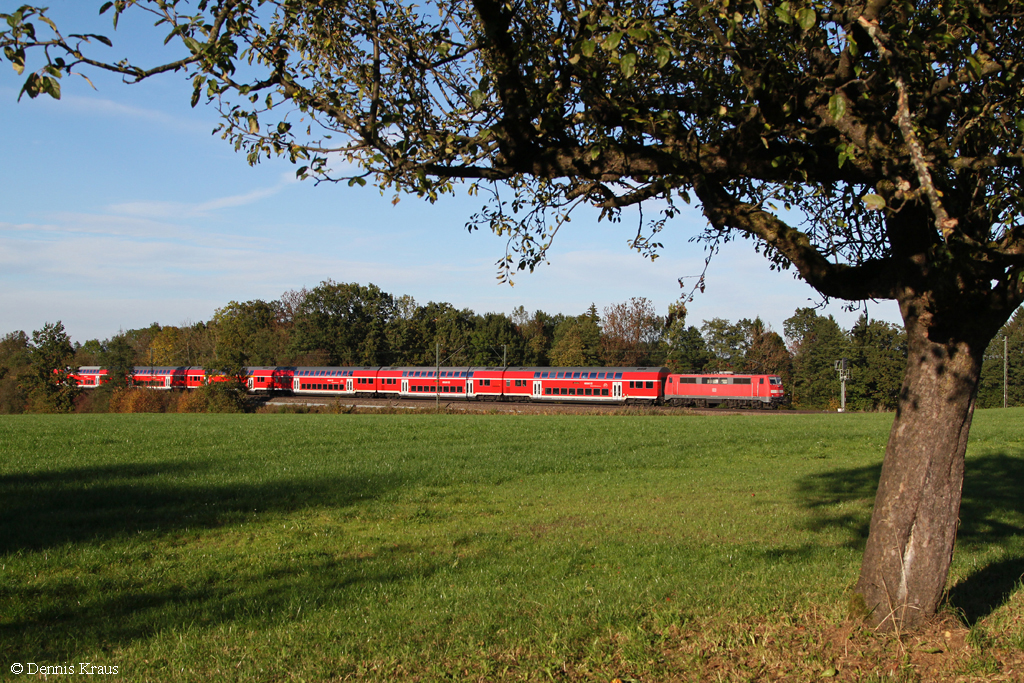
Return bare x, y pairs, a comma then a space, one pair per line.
851, 113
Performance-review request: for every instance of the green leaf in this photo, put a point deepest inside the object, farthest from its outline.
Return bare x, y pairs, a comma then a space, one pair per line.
51, 86
873, 202
612, 41
782, 12
638, 33
587, 48
105, 7
829, 672
662, 53
975, 65
628, 65
806, 18
837, 106
476, 98
17, 58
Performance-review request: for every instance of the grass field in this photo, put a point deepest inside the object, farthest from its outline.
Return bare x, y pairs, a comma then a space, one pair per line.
486, 547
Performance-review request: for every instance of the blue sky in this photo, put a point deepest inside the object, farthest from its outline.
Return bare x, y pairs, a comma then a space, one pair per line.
120, 209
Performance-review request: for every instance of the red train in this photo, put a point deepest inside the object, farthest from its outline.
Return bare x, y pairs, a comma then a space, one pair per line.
652, 386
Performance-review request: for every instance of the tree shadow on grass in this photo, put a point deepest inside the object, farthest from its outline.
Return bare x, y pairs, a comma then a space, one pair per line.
71, 621
89, 609
48, 509
990, 515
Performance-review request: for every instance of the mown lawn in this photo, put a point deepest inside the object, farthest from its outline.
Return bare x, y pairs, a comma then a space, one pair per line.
483, 547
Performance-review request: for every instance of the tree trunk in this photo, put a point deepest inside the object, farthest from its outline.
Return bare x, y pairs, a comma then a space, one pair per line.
913, 526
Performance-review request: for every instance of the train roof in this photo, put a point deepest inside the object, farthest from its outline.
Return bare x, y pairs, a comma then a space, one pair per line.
590, 368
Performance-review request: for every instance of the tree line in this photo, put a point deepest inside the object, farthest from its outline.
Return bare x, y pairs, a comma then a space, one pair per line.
348, 324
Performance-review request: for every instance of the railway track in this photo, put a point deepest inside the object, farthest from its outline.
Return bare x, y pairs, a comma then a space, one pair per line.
331, 403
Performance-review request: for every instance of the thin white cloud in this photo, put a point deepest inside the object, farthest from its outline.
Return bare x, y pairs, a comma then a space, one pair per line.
164, 209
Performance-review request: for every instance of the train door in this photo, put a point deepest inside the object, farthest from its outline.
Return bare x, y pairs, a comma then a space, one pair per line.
469, 388
296, 383
251, 380
348, 384
616, 389
405, 386
536, 389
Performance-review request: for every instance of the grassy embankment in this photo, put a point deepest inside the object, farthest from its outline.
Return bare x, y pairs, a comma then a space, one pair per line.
401, 547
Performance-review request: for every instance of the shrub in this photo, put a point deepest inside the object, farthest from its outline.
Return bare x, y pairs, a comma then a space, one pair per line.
137, 400
193, 401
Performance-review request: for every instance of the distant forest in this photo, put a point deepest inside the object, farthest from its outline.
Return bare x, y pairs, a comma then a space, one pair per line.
341, 324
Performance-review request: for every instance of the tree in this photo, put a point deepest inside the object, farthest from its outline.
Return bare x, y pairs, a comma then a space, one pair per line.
50, 385
821, 344
14, 362
990, 393
248, 334
727, 343
877, 355
891, 127
767, 353
630, 333
538, 333
496, 340
576, 341
346, 322
685, 350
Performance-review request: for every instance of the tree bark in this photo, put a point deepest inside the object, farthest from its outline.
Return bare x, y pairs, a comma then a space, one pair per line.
914, 522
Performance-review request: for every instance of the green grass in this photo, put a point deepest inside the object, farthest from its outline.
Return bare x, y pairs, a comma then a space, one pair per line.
313, 547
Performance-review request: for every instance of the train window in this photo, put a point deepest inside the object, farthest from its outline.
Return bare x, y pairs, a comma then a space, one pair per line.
774, 380
618, 375
564, 391
741, 380
572, 392
650, 385
604, 392
547, 392
587, 392
536, 375
761, 380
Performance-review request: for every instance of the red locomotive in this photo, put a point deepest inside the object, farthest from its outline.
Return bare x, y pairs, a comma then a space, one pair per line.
651, 386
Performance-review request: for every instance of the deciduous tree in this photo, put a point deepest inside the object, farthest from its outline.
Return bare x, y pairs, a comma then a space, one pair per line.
630, 332
892, 127
50, 385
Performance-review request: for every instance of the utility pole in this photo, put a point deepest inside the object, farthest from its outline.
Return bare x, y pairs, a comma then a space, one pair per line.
1004, 370
844, 374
